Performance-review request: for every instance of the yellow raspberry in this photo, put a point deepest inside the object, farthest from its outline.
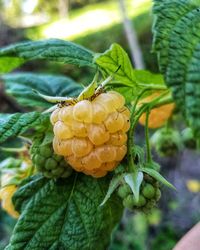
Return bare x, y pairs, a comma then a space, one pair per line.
62, 147
105, 100
98, 134
6, 194
66, 114
105, 153
91, 134
62, 131
54, 116
81, 146
79, 128
118, 139
158, 116
83, 111
120, 152
99, 113
114, 122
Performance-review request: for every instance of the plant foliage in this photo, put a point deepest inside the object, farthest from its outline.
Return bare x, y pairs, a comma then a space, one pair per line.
177, 43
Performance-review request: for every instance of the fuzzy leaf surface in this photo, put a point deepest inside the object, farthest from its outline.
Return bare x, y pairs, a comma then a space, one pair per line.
21, 86
144, 80
116, 59
12, 125
52, 50
177, 44
60, 214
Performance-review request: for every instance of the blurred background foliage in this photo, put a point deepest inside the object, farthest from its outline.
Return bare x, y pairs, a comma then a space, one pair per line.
96, 24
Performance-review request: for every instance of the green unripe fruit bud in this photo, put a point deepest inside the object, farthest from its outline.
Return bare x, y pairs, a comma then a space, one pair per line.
141, 202
47, 162
148, 191
58, 171
129, 201
59, 158
189, 139
149, 194
167, 142
46, 151
51, 164
39, 160
150, 204
124, 191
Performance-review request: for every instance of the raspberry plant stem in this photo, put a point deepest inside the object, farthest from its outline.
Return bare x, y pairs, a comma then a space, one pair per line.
148, 147
135, 116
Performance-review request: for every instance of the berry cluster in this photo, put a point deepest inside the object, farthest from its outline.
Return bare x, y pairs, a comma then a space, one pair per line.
91, 134
47, 162
149, 195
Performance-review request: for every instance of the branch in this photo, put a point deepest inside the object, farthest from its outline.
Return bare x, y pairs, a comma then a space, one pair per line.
136, 53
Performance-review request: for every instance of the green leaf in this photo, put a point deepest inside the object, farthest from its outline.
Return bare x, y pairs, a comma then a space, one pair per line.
134, 180
21, 85
114, 183
145, 80
7, 64
51, 50
116, 59
157, 176
17, 124
60, 214
146, 77
177, 43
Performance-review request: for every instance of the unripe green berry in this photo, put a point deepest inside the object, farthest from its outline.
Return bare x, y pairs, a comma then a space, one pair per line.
189, 139
59, 158
148, 191
46, 151
150, 204
51, 164
141, 202
39, 160
47, 162
129, 201
58, 171
167, 141
124, 190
